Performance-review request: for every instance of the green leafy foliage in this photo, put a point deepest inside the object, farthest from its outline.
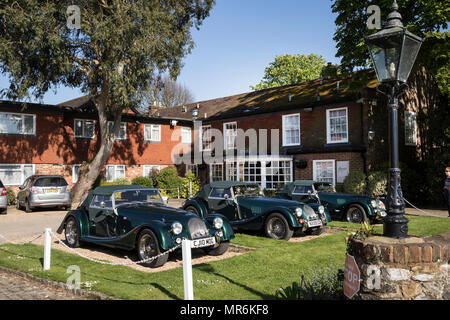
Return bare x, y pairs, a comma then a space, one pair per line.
355, 182
118, 181
190, 181
289, 69
169, 181
11, 196
323, 283
143, 181
377, 182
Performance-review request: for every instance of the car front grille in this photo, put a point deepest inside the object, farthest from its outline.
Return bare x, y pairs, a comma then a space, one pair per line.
310, 213
197, 228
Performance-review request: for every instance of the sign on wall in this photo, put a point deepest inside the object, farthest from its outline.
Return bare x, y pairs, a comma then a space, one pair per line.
342, 170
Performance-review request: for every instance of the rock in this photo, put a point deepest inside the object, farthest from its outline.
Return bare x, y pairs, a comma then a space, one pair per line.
423, 277
394, 274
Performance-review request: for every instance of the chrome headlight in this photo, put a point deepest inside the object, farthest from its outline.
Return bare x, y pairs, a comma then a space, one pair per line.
381, 205
218, 223
321, 209
298, 212
373, 203
177, 228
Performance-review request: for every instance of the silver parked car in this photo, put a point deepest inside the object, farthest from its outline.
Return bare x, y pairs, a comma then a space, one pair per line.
39, 191
3, 199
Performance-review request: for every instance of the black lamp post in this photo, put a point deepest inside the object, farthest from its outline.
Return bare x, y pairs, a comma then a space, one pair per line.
393, 51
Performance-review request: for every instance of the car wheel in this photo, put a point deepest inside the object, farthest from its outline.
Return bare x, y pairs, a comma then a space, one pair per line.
219, 250
355, 214
278, 228
193, 210
147, 247
28, 206
4, 211
72, 233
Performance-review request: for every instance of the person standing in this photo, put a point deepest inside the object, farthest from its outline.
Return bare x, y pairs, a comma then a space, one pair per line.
447, 189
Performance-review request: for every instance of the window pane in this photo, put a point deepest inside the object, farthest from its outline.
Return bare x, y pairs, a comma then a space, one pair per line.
28, 124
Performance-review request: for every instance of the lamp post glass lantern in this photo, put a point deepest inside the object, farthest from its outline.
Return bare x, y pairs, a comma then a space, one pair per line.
393, 51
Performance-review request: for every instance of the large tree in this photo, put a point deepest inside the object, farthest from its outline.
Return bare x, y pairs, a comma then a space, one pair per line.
426, 18
289, 69
120, 46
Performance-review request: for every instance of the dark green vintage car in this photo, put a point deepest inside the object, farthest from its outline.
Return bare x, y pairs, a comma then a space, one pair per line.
354, 208
135, 218
246, 209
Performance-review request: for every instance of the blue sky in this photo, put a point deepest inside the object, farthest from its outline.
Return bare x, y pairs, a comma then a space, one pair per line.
239, 39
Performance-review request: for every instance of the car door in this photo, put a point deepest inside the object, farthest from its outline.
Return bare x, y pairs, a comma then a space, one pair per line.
22, 195
220, 200
101, 213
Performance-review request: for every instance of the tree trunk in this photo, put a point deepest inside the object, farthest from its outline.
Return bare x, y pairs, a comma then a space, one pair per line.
89, 173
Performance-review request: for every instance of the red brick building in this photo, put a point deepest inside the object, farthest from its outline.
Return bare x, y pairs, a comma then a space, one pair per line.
49, 139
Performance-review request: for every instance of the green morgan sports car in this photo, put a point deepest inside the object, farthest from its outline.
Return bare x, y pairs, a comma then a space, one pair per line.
354, 208
135, 218
246, 209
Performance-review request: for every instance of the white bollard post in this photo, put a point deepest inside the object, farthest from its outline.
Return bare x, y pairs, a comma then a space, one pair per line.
187, 270
47, 248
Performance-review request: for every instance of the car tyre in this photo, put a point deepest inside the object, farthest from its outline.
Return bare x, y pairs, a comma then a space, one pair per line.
219, 250
72, 233
148, 246
28, 206
355, 214
277, 227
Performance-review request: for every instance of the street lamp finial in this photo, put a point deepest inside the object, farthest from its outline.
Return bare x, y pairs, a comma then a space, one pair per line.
394, 19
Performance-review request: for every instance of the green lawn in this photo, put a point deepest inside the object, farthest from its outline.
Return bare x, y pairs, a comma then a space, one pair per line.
254, 275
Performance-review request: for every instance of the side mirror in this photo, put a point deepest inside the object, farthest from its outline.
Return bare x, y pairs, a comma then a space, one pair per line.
102, 204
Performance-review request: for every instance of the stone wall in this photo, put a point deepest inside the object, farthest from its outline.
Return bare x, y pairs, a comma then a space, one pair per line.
407, 269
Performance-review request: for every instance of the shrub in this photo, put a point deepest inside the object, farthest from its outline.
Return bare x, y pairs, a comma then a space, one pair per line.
118, 181
143, 181
269, 193
325, 283
377, 182
355, 182
194, 181
169, 180
11, 196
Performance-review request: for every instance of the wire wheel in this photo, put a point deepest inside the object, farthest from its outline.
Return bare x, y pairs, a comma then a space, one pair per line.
72, 233
355, 214
148, 247
278, 228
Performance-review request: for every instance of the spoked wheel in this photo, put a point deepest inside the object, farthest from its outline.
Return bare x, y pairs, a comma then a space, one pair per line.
72, 232
147, 247
355, 214
278, 228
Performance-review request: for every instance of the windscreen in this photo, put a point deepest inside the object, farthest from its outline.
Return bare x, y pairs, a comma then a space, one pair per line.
50, 182
137, 196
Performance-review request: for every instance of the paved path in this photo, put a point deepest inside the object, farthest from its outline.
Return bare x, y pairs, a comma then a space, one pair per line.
15, 287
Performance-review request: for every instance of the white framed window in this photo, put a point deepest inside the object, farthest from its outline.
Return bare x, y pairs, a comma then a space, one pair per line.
337, 125
291, 129
277, 173
18, 123
114, 172
148, 169
205, 138
122, 134
152, 132
216, 172
84, 128
229, 135
410, 128
75, 172
186, 135
15, 174
324, 171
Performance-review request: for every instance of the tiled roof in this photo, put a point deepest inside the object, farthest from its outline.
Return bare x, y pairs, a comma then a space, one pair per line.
300, 95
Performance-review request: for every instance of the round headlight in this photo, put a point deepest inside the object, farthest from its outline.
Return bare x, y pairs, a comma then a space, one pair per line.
373, 203
381, 204
321, 209
177, 228
298, 212
218, 223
